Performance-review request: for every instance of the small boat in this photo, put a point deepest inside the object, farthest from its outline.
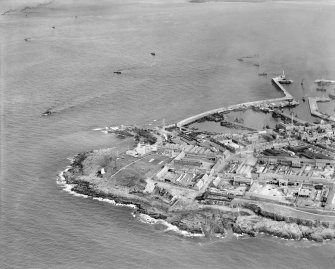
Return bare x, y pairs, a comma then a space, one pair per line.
47, 113
153, 53
321, 89
53, 27
26, 39
256, 64
263, 74
303, 99
117, 72
240, 59
288, 81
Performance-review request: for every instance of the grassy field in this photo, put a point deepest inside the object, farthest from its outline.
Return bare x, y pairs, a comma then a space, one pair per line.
122, 170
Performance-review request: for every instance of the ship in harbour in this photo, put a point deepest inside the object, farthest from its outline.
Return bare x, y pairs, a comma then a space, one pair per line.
284, 80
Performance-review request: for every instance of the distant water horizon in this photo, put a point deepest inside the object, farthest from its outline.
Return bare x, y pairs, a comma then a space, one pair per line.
67, 65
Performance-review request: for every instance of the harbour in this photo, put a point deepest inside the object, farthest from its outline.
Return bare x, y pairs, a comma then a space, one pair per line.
264, 105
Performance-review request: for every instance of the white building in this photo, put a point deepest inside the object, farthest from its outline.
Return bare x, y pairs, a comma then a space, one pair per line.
141, 150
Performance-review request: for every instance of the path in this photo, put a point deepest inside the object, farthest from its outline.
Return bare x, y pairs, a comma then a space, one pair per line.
124, 167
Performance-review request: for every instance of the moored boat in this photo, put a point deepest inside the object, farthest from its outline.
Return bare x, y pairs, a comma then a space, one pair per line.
284, 80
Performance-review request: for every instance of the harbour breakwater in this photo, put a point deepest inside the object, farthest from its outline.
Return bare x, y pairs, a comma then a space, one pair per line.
313, 106
286, 100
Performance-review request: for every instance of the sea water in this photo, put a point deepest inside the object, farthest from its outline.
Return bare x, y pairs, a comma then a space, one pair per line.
69, 69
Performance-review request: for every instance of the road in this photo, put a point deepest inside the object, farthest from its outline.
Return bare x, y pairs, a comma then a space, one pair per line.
124, 167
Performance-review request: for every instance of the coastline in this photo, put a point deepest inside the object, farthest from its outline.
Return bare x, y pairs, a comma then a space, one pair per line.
142, 217
242, 224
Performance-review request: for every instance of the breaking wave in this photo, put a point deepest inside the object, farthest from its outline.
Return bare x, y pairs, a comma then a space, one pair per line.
141, 217
169, 227
68, 188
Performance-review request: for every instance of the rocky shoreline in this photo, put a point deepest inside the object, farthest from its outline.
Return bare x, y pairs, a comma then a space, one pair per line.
206, 220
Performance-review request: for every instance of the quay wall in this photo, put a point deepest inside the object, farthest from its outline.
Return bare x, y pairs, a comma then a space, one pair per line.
314, 107
280, 87
295, 119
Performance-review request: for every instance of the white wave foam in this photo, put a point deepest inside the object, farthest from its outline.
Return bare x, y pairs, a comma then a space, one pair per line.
107, 128
71, 159
242, 236
169, 227
146, 219
104, 200
218, 235
110, 201
68, 188
142, 217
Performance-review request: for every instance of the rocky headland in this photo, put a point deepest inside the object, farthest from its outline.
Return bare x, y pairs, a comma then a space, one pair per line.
133, 187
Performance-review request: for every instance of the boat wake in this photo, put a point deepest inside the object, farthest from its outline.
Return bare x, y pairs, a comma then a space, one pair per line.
75, 103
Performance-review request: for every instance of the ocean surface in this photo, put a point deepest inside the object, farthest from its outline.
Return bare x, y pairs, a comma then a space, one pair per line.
69, 69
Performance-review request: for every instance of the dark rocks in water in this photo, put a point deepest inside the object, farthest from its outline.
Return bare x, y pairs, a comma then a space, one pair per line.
83, 188
204, 221
120, 136
252, 225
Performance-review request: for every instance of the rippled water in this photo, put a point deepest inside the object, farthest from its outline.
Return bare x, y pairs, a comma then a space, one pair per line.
70, 70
